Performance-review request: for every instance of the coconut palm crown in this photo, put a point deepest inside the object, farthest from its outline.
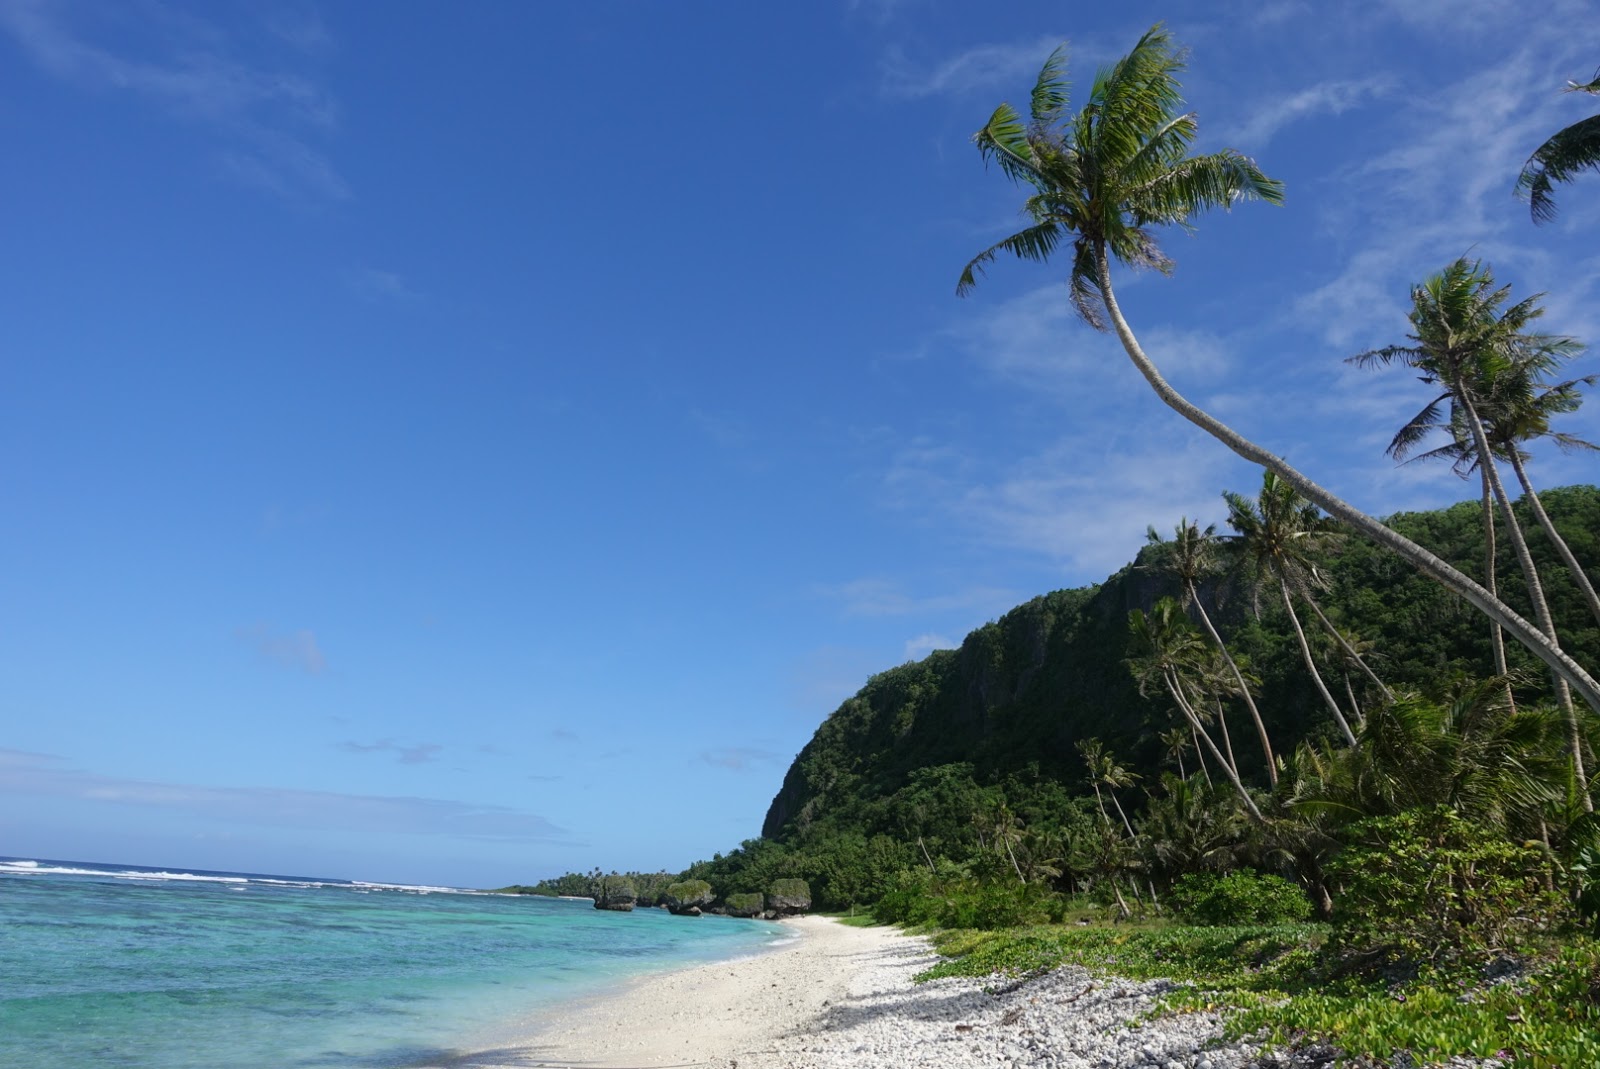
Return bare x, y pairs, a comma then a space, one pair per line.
1568, 153
1107, 175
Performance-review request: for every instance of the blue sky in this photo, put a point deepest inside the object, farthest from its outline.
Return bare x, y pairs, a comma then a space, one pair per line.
460, 443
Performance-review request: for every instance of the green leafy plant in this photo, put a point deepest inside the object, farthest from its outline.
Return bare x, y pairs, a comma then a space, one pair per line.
1428, 887
1244, 897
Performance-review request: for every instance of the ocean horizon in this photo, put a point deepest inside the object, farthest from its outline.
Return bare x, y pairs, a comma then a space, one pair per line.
143, 967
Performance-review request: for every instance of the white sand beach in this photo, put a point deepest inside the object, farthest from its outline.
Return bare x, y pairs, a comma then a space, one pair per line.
842, 996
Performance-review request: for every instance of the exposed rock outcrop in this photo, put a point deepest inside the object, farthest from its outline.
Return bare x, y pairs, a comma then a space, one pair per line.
689, 898
751, 905
789, 897
615, 893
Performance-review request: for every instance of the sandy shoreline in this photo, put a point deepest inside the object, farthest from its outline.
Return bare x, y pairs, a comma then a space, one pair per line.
842, 997
722, 1014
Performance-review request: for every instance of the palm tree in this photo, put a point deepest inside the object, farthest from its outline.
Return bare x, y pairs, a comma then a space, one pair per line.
1164, 646
1281, 534
1479, 352
1570, 152
1519, 411
1192, 558
1102, 180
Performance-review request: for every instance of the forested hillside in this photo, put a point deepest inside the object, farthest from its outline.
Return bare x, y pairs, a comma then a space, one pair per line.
927, 749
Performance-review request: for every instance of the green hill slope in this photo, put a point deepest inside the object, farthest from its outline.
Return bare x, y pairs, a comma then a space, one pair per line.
1009, 705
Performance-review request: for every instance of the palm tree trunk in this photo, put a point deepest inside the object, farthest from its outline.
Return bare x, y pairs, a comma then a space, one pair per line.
1497, 638
1227, 740
1579, 576
1233, 773
1121, 814
1244, 688
1349, 651
1200, 755
1311, 665
1541, 608
1427, 563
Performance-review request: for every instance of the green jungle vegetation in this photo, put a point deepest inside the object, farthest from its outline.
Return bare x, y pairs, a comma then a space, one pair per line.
1328, 771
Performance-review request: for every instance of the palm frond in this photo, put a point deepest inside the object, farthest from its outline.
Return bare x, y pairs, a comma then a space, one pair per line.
1034, 243
1004, 139
1567, 154
1049, 98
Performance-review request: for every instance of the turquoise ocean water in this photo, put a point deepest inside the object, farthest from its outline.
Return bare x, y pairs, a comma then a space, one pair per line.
138, 968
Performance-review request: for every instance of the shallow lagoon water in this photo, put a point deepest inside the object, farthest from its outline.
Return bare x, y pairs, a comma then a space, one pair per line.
123, 966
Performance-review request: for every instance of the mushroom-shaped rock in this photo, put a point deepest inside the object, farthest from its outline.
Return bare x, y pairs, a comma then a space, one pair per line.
789, 897
751, 905
687, 898
615, 893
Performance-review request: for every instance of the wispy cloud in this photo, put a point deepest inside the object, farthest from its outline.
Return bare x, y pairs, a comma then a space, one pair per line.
883, 597
190, 69
1325, 98
418, 754
294, 649
1443, 191
919, 647
986, 67
373, 284
38, 776
738, 758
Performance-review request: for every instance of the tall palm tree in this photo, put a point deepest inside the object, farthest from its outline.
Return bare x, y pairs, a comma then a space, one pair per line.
1567, 154
1102, 181
1476, 349
1192, 558
1281, 535
1519, 411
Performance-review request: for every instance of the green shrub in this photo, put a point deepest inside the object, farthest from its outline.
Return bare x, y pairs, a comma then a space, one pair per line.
1428, 887
1244, 897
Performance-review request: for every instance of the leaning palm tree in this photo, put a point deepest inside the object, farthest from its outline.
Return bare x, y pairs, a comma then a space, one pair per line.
1281, 535
1519, 411
1164, 646
1571, 151
1192, 558
1480, 352
1103, 180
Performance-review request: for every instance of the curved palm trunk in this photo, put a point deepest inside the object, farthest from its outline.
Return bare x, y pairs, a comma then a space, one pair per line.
1244, 688
1194, 723
1427, 563
1579, 576
1541, 608
1311, 664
